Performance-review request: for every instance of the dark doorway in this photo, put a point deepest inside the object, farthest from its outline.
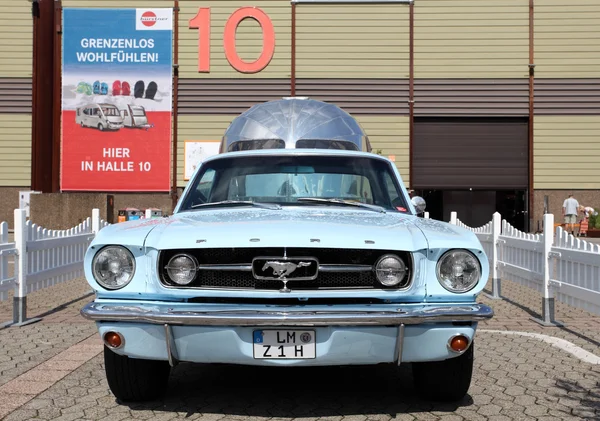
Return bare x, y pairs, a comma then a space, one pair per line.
472, 165
476, 207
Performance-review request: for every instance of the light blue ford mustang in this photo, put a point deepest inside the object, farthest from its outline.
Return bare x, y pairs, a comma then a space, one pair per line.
290, 257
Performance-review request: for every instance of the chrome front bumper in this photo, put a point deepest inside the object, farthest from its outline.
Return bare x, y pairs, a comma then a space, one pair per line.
186, 315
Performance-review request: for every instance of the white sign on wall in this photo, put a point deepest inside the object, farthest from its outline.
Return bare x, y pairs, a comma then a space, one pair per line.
195, 152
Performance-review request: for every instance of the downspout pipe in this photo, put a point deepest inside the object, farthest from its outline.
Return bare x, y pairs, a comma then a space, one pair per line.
531, 66
174, 196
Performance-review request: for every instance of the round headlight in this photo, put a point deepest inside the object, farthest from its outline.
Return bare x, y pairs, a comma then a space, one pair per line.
390, 270
113, 267
458, 270
182, 269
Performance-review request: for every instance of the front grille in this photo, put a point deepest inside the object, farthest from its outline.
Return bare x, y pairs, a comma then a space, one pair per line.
244, 279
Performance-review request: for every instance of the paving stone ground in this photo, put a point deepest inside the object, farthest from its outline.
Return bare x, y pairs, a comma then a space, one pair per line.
54, 369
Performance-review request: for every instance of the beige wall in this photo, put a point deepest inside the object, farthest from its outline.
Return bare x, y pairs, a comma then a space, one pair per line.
16, 39
352, 41
390, 135
567, 39
249, 39
15, 150
472, 38
16, 50
567, 152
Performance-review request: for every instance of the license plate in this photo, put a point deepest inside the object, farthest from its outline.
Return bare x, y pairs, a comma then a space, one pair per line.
284, 344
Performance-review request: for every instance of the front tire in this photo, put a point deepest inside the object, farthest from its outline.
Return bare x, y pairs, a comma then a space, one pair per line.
444, 381
100, 127
132, 379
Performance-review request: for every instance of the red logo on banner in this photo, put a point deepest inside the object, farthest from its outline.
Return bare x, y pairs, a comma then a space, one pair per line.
148, 18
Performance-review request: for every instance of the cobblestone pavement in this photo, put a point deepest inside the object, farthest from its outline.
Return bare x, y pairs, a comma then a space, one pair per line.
53, 369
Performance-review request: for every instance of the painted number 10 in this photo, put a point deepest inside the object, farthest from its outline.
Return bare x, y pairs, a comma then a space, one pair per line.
202, 22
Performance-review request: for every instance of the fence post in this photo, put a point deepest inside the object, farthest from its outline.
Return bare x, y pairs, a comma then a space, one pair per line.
548, 299
148, 213
3, 240
20, 298
95, 220
496, 281
453, 217
426, 215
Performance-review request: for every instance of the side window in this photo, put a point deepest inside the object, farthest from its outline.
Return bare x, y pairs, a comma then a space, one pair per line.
202, 194
394, 195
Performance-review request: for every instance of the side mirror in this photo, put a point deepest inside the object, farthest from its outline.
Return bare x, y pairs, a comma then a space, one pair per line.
419, 203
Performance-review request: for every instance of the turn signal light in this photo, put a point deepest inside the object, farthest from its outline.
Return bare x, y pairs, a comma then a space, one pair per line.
113, 339
459, 343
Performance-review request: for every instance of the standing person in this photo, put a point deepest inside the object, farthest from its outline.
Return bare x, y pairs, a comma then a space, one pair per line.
570, 211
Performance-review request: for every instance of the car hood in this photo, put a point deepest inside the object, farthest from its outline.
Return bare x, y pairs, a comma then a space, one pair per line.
288, 227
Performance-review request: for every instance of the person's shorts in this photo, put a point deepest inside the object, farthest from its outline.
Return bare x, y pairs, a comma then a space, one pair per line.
570, 219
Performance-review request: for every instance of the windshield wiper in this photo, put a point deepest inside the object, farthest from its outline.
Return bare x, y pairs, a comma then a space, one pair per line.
272, 206
342, 202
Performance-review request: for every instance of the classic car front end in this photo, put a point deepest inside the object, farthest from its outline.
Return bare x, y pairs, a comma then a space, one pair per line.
292, 258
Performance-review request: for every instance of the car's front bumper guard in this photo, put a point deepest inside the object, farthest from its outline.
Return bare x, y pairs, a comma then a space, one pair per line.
403, 315
168, 316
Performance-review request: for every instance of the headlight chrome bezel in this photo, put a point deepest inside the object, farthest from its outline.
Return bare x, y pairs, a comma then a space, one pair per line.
97, 278
196, 271
404, 266
441, 260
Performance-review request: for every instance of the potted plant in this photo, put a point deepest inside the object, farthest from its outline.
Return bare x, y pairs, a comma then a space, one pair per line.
594, 223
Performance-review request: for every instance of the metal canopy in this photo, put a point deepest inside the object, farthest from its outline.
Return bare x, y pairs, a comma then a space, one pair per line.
295, 122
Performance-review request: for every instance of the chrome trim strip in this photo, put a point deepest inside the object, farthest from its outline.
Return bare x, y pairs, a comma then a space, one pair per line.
171, 348
242, 267
165, 314
345, 268
399, 344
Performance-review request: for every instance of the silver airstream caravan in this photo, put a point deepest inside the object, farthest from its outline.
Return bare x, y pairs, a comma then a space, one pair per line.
295, 123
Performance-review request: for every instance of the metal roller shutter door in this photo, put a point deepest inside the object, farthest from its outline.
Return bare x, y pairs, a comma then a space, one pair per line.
463, 153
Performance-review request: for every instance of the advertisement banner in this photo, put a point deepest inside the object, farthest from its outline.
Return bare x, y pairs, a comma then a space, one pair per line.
117, 70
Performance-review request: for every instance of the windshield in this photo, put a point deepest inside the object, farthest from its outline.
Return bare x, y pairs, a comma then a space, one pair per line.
111, 112
291, 180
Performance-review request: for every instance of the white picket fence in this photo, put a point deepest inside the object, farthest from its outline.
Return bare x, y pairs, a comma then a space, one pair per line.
7, 261
39, 258
555, 263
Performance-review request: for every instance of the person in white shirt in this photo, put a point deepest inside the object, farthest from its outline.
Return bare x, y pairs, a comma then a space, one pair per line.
570, 210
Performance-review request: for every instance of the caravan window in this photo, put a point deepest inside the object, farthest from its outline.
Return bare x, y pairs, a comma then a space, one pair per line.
110, 111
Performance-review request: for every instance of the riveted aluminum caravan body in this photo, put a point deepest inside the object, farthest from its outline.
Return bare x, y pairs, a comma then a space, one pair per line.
295, 123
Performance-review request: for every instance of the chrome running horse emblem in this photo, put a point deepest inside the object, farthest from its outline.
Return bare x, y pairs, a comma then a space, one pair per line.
283, 269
